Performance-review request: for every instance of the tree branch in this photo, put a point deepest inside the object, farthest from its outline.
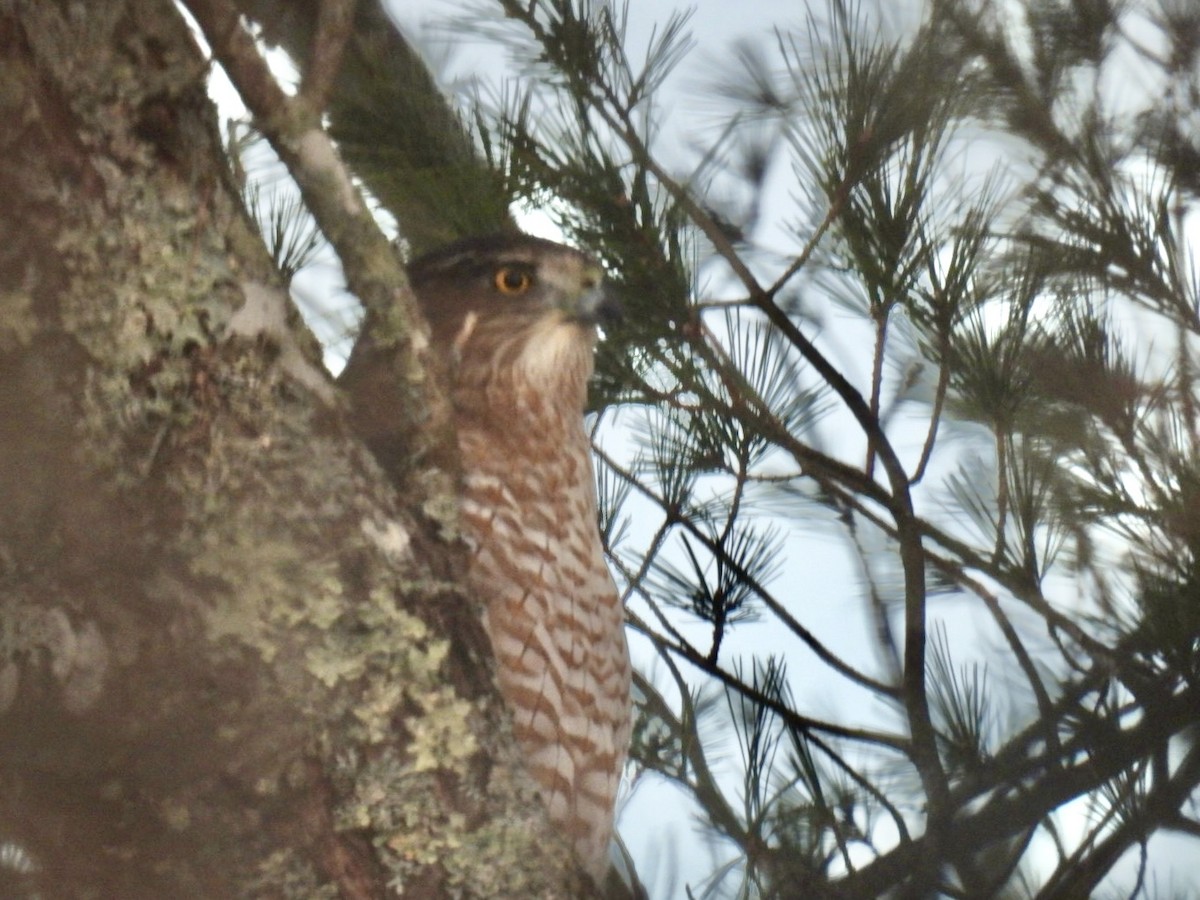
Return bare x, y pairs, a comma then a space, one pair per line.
373, 271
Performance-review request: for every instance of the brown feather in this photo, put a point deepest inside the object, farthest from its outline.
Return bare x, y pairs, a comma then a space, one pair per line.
519, 368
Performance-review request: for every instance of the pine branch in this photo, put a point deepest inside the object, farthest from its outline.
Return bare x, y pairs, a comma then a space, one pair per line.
795, 720
393, 124
1006, 816
752, 582
373, 271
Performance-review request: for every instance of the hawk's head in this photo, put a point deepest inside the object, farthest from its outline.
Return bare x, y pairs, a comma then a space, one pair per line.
513, 307
513, 321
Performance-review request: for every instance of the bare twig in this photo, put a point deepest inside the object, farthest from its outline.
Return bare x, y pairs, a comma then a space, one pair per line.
810, 640
373, 271
935, 418
786, 713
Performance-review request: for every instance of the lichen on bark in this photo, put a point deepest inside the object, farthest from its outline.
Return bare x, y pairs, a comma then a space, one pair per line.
232, 661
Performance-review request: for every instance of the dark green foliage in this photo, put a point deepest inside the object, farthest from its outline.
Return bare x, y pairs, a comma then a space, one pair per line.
412, 150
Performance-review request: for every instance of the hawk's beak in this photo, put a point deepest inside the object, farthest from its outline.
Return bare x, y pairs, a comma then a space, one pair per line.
598, 307
594, 305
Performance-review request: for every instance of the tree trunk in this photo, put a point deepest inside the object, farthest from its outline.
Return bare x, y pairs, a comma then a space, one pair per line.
232, 663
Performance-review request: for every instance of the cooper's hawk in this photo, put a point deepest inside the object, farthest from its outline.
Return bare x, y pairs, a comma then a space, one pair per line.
514, 320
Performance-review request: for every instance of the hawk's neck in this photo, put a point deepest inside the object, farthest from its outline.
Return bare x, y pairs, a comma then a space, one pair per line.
534, 397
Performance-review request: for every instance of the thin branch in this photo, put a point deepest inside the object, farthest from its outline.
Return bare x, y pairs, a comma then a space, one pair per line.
1159, 806
810, 246
704, 785
373, 271
880, 316
939, 403
813, 643
909, 531
883, 626
1010, 812
794, 719
853, 774
1002, 492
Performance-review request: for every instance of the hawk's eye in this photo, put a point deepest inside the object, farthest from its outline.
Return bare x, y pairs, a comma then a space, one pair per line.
512, 280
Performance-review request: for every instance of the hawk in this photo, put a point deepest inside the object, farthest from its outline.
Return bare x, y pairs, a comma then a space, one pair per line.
513, 321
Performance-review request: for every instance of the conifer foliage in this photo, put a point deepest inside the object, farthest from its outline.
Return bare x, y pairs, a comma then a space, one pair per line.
912, 309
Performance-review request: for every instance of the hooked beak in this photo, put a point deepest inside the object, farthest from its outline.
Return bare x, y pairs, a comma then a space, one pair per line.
598, 307
594, 304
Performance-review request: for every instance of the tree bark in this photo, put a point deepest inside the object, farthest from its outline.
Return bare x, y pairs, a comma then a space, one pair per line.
232, 663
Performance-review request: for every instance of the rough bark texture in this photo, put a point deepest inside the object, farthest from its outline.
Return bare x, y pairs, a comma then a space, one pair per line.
230, 663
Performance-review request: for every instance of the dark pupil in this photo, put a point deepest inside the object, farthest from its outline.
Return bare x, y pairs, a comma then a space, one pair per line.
514, 280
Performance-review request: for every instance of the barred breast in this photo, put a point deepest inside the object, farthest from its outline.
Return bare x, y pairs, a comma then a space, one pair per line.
555, 622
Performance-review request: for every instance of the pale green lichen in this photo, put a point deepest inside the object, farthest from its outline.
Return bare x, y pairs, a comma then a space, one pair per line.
18, 324
505, 857
508, 855
176, 814
497, 860
154, 305
441, 505
285, 873
380, 663
263, 571
331, 664
439, 737
266, 549
75, 653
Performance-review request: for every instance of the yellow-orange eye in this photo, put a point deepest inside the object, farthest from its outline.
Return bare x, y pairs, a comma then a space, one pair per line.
511, 280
